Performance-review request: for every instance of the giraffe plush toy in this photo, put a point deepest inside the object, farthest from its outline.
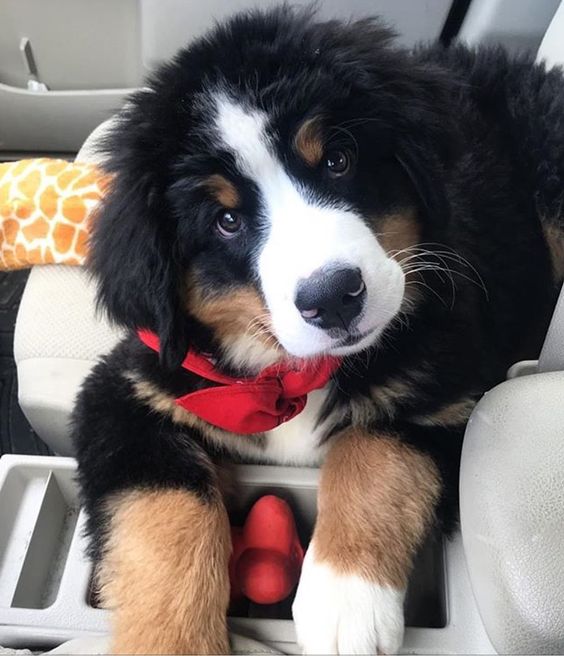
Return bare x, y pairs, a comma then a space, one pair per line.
45, 207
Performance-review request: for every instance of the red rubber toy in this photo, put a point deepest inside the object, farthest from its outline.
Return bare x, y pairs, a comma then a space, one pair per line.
267, 555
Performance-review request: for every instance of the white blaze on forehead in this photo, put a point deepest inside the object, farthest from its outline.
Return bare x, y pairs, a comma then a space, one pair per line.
303, 235
243, 132
307, 235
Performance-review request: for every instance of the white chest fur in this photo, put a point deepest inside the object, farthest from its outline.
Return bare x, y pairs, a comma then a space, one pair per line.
297, 441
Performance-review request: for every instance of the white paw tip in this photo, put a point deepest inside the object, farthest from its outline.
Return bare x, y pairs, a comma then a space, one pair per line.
346, 614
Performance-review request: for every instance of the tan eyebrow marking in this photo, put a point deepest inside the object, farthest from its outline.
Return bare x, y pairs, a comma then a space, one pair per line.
223, 191
308, 141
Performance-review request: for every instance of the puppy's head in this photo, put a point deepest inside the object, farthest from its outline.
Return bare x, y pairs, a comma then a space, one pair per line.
266, 185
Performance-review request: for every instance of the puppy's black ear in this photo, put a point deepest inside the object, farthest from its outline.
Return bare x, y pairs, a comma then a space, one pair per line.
428, 138
428, 142
410, 99
132, 246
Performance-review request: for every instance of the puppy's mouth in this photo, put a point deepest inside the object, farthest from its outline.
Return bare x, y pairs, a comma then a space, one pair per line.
354, 338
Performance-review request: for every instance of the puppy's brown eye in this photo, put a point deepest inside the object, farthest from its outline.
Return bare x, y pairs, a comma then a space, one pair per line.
337, 163
228, 224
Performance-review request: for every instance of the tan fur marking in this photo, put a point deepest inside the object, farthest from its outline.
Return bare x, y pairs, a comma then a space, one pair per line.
165, 404
555, 241
165, 573
399, 231
223, 191
161, 402
453, 414
232, 314
376, 501
309, 141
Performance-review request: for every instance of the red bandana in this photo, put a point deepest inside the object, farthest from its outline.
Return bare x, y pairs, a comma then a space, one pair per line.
250, 405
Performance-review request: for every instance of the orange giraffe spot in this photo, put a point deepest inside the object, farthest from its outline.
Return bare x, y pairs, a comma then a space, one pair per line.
48, 257
36, 230
54, 168
48, 202
10, 259
21, 253
63, 236
5, 211
81, 243
87, 178
34, 256
74, 209
66, 178
11, 228
30, 184
20, 167
23, 209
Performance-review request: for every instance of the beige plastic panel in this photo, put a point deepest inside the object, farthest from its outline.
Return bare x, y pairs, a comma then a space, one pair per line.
87, 52
552, 355
91, 52
53, 121
414, 20
39, 508
552, 46
516, 24
77, 44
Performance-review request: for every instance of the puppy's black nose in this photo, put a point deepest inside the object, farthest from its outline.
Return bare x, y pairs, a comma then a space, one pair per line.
331, 297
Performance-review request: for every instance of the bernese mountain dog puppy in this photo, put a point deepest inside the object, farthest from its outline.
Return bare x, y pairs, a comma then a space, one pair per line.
325, 249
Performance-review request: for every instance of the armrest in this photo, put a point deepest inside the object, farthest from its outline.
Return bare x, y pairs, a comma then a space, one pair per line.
512, 513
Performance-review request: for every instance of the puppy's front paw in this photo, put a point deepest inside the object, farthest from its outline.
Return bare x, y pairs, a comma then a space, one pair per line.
345, 614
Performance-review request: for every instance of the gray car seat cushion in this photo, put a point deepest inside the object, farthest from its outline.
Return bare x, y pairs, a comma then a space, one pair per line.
58, 339
512, 513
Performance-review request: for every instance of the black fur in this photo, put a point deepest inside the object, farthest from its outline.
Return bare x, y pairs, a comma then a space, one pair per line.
469, 137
